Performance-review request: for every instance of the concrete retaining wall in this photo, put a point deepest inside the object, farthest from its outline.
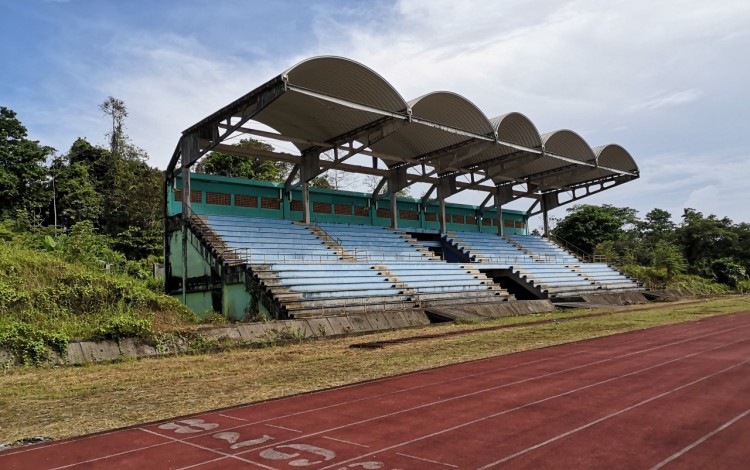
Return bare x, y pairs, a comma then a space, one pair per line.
80, 352
493, 310
616, 298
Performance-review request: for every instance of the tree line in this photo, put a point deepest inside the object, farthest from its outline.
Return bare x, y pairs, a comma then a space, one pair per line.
113, 190
109, 191
717, 249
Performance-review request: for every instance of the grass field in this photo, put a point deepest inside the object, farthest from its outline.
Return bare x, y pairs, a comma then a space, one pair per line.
71, 401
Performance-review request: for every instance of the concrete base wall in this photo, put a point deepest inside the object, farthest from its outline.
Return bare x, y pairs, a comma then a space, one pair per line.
81, 352
480, 312
619, 298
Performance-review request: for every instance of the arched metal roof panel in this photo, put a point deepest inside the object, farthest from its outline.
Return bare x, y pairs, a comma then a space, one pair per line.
414, 141
346, 79
333, 100
562, 143
514, 128
569, 144
616, 157
306, 116
453, 110
518, 129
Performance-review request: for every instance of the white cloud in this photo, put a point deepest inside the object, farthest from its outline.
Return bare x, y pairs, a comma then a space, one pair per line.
652, 76
667, 99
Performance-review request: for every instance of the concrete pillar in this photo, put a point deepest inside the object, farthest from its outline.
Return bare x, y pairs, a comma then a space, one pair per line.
186, 211
545, 214
394, 205
443, 221
500, 223
305, 201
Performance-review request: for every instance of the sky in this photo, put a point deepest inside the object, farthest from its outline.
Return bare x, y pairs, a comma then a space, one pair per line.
667, 80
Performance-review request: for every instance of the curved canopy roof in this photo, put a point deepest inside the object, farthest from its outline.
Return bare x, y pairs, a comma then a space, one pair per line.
333, 102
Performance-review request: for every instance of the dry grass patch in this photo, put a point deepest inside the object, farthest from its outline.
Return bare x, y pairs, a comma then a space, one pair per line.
64, 402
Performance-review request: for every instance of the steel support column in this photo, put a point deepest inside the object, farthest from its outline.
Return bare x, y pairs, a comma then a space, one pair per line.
305, 201
394, 211
441, 215
500, 220
189, 149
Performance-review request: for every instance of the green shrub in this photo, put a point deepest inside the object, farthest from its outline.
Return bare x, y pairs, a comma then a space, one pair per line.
30, 345
124, 326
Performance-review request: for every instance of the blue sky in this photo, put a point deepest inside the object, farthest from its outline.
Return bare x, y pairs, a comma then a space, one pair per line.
667, 80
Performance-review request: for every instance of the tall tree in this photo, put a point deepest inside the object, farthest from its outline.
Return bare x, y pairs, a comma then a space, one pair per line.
116, 110
705, 238
656, 225
241, 166
77, 197
587, 226
23, 172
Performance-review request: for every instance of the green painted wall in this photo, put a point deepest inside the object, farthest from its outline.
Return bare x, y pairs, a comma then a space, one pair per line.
198, 302
197, 265
235, 298
230, 196
324, 204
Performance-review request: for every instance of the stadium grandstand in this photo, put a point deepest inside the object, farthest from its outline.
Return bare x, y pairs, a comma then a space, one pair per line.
286, 250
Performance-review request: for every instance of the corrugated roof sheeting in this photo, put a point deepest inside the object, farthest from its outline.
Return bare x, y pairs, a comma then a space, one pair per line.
518, 129
413, 141
614, 156
514, 128
346, 79
305, 117
453, 110
567, 143
327, 99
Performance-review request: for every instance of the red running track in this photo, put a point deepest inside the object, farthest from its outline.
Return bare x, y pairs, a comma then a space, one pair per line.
668, 397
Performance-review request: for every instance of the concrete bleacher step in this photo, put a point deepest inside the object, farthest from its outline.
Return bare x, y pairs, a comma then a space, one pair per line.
349, 267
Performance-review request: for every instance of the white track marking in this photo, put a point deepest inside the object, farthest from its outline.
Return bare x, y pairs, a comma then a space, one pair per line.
426, 460
34, 448
203, 463
701, 440
282, 427
345, 442
432, 384
117, 454
395, 392
611, 415
218, 452
234, 417
552, 397
47, 445
171, 441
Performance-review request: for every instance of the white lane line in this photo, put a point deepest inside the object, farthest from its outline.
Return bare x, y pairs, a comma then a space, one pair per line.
172, 440
223, 454
47, 445
345, 442
426, 460
380, 395
395, 392
500, 413
285, 429
611, 415
217, 459
701, 440
114, 455
41, 447
234, 417
432, 384
249, 423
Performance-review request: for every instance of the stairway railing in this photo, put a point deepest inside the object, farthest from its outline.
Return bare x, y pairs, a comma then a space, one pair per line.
577, 252
339, 246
